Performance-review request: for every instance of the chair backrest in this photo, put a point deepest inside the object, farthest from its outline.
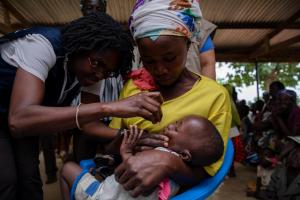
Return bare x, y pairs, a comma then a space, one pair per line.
209, 185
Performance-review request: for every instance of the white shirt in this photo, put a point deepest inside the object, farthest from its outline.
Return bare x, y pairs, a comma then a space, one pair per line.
35, 54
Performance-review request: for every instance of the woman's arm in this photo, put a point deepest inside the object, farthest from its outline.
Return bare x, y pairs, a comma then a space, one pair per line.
208, 58
96, 129
207, 63
27, 117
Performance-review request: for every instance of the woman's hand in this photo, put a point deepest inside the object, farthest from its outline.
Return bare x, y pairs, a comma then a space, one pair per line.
142, 172
150, 141
143, 104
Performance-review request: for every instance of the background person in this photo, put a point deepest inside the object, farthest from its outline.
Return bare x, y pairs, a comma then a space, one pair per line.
85, 147
41, 70
201, 55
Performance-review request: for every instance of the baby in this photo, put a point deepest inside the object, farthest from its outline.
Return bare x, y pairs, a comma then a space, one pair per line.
193, 138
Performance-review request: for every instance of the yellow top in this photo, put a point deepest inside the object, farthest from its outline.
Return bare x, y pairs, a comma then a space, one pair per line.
206, 99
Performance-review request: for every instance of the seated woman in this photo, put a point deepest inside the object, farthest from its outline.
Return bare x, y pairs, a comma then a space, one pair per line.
194, 139
163, 30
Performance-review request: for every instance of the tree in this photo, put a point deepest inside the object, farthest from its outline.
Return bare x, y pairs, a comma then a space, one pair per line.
244, 74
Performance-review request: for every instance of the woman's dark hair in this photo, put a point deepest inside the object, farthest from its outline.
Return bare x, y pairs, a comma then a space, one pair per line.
279, 85
98, 32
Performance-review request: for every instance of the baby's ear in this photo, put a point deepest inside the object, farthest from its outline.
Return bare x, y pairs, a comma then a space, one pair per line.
186, 155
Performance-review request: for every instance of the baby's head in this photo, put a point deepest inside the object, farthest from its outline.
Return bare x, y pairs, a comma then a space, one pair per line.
196, 140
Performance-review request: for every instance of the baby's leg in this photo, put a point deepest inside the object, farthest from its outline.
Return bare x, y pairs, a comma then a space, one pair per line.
69, 172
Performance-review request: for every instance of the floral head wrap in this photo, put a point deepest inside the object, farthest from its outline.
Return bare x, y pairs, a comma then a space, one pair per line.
153, 18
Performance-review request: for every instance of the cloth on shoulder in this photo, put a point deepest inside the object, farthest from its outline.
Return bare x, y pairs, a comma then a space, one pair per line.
204, 43
143, 79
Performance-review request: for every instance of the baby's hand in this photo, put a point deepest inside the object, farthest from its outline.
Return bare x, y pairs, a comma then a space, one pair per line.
130, 139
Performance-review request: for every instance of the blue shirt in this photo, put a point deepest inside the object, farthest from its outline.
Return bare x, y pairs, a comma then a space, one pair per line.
208, 45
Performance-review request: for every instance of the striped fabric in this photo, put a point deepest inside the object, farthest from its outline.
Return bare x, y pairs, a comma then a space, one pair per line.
109, 91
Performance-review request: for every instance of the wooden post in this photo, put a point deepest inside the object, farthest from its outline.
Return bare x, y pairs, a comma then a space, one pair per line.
257, 79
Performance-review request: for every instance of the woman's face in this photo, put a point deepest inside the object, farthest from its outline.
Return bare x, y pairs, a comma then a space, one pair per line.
96, 66
164, 58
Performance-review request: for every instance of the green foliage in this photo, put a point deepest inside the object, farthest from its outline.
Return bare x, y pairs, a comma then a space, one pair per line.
244, 74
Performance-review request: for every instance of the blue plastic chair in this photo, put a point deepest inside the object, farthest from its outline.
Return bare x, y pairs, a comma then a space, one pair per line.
209, 185
200, 191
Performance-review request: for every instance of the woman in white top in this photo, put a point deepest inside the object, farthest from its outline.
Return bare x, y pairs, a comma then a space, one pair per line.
41, 70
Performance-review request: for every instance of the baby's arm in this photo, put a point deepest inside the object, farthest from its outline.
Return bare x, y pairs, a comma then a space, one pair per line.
130, 139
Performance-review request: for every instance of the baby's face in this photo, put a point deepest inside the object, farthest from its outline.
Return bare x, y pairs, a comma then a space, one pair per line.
188, 137
178, 135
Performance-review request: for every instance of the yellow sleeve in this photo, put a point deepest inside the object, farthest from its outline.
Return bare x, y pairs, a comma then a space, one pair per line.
220, 116
236, 121
116, 123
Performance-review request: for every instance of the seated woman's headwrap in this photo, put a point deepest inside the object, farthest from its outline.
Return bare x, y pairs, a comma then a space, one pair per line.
153, 18
290, 93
